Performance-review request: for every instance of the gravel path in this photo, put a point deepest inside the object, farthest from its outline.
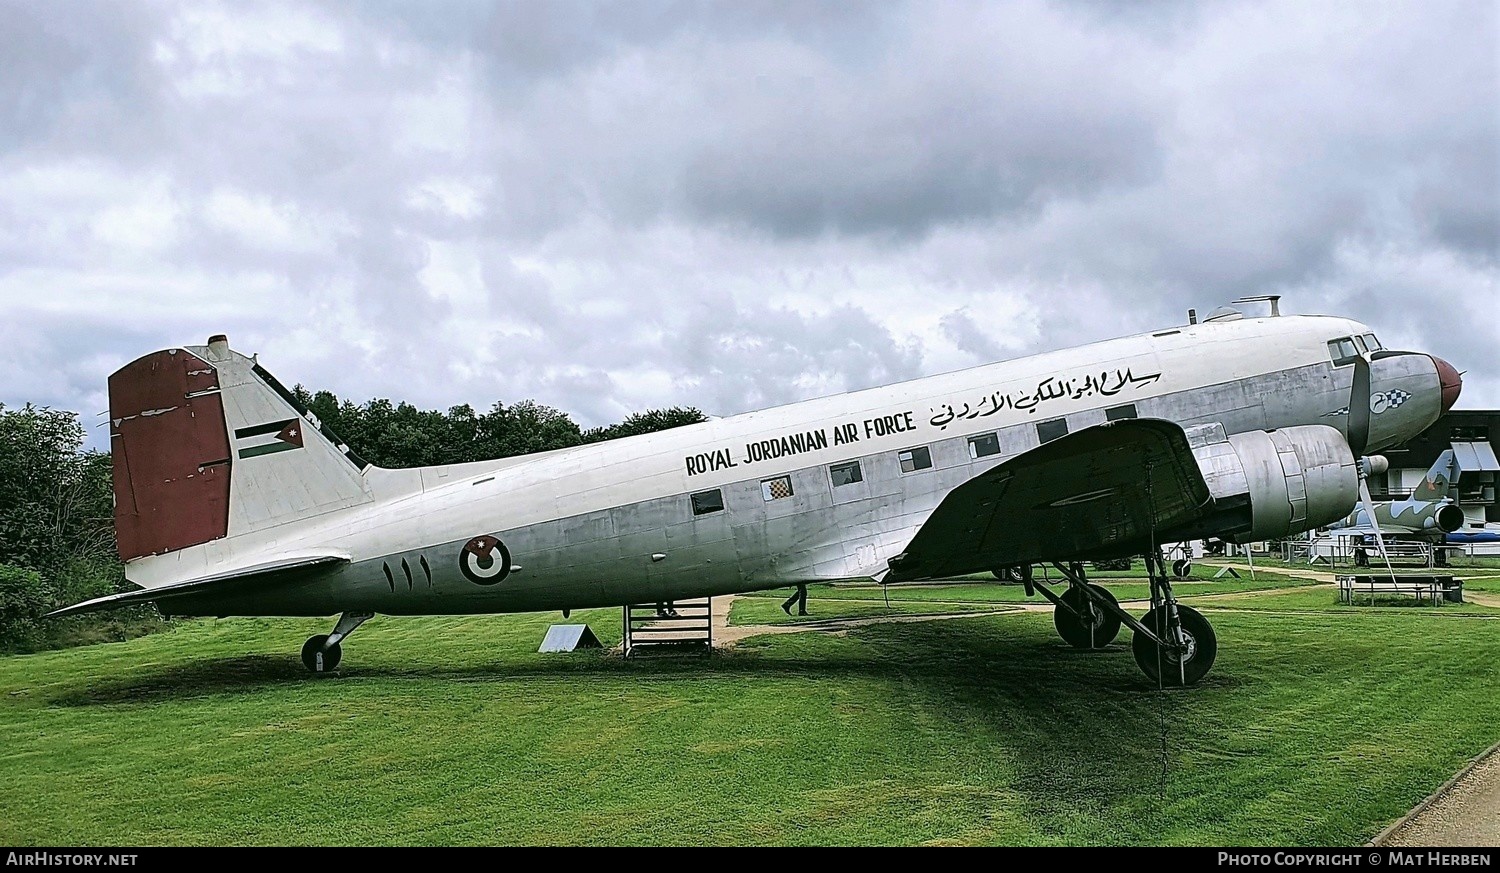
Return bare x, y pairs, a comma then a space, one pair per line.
1466, 814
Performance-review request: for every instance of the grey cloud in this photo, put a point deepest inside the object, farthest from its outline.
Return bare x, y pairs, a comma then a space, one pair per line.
727, 204
967, 336
77, 75
753, 356
522, 42
959, 117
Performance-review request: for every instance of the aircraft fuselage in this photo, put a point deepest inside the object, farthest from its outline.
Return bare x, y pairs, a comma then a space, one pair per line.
820, 490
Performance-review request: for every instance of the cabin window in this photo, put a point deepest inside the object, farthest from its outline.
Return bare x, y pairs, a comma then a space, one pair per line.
1047, 431
984, 445
1371, 342
776, 489
1342, 351
1119, 413
912, 460
705, 502
845, 474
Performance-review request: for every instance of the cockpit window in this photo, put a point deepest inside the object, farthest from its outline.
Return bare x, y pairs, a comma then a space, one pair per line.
1343, 351
1373, 343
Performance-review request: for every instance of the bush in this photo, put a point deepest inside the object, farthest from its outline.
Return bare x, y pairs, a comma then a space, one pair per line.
23, 601
86, 577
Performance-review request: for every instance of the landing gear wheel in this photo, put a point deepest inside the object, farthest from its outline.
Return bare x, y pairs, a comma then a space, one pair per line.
1182, 568
1167, 667
316, 659
1079, 633
1014, 573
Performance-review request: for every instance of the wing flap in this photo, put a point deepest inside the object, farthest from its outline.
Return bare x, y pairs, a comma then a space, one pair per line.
1099, 492
262, 575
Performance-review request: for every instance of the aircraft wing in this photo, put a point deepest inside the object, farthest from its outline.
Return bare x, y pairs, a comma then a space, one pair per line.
1101, 492
260, 576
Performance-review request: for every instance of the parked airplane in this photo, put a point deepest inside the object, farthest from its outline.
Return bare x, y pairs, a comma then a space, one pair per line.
232, 499
1428, 515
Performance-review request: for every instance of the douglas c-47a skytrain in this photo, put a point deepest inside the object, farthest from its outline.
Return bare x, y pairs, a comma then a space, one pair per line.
231, 499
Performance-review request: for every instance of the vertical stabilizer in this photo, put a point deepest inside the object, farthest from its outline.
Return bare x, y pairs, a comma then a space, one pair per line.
1442, 477
207, 445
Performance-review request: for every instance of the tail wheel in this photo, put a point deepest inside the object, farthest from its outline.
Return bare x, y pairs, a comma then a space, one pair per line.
1167, 666
1182, 568
1077, 627
317, 659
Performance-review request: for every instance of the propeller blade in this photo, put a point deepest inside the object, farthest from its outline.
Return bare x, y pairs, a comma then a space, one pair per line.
1359, 407
1369, 506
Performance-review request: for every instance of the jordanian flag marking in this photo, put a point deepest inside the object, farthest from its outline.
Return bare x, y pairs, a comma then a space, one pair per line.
269, 438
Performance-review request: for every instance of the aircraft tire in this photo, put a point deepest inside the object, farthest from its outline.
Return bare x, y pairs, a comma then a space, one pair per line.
1162, 667
313, 649
1077, 634
1182, 568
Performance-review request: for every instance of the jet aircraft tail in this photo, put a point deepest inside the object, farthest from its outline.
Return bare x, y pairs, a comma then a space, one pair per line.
1442, 476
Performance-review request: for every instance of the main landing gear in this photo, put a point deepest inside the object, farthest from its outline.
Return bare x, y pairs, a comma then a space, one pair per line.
1174, 645
321, 653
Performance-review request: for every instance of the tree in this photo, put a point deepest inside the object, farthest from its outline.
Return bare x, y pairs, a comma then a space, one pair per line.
399, 435
649, 421
56, 536
55, 501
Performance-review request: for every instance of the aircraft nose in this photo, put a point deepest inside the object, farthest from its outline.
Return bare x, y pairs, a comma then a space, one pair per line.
1452, 383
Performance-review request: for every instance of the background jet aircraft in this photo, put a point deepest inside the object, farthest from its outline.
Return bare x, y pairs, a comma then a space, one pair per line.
1429, 511
1428, 515
231, 499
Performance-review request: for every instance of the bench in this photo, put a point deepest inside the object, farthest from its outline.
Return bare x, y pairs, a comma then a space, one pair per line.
1430, 589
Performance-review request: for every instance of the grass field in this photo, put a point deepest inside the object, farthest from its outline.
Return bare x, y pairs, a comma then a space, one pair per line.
765, 608
1326, 599
1460, 566
1315, 727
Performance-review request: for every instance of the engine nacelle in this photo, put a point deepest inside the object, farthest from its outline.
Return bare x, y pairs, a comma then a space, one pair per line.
1270, 484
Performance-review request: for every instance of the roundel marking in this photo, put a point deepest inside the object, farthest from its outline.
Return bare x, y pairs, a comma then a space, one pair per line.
484, 560
1378, 403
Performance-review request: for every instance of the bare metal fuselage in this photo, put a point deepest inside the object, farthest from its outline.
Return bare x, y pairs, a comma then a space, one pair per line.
615, 523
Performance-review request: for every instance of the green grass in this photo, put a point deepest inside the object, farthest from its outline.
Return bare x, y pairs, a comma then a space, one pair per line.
1137, 571
1313, 729
765, 608
960, 594
1326, 598
1461, 566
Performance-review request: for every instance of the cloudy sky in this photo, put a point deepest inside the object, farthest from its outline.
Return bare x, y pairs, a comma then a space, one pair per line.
614, 206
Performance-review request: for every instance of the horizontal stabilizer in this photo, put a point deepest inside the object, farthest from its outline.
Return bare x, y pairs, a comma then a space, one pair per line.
261, 576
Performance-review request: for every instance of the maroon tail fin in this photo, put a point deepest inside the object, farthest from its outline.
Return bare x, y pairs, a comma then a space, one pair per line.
171, 453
